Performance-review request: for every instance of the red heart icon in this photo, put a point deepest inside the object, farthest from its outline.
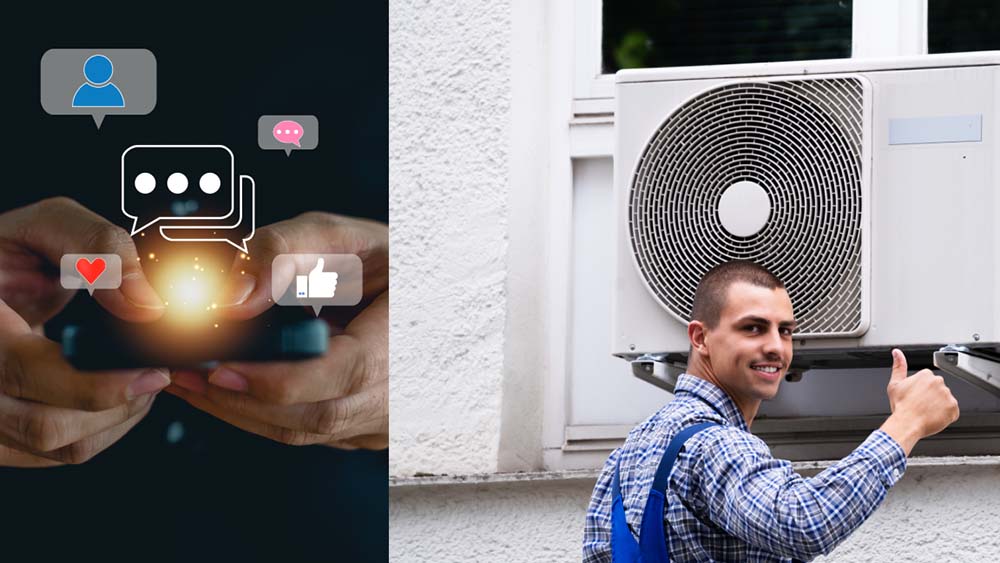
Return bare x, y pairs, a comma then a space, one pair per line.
91, 270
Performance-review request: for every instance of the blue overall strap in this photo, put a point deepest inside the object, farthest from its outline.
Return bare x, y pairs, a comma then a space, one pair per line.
652, 541
624, 548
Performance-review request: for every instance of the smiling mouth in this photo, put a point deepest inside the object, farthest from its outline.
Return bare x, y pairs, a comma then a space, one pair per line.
766, 369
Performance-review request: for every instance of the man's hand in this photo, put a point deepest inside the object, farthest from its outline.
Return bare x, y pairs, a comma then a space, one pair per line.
921, 404
51, 413
340, 399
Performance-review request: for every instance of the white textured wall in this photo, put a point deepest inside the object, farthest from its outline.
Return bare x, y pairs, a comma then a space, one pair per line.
449, 94
934, 514
523, 522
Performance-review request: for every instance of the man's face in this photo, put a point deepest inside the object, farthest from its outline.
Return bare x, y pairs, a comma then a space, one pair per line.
751, 347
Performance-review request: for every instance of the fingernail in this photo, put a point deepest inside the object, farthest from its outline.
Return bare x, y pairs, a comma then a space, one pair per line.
228, 379
148, 382
137, 290
189, 380
237, 290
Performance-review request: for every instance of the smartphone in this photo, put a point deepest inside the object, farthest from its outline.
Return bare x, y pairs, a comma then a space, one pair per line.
115, 344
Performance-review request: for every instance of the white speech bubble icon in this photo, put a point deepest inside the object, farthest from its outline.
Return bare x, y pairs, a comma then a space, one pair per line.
144, 173
237, 234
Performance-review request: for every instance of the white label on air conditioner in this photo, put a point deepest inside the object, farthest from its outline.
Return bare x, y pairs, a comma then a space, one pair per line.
949, 129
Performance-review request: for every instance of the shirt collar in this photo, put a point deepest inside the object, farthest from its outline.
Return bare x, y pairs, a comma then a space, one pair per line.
714, 397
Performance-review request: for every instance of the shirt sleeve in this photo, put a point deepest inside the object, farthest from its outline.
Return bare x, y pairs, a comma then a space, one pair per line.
761, 500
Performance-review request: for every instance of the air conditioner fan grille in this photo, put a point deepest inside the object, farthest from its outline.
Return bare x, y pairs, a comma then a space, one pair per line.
800, 143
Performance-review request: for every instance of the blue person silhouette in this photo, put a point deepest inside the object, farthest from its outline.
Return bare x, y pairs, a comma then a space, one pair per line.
98, 91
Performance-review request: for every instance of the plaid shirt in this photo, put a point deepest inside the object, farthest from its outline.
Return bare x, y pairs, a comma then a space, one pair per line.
728, 499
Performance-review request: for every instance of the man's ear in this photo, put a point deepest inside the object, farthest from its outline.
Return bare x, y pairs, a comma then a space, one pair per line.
696, 334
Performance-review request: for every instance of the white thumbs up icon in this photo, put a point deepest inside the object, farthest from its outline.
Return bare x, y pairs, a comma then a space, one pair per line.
318, 284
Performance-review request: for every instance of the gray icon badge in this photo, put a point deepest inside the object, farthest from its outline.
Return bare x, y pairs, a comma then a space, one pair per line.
288, 132
90, 271
98, 82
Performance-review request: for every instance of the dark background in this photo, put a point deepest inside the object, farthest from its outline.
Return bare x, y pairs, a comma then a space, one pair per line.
218, 493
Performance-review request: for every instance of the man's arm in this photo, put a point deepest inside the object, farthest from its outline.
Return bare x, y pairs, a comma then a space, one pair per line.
763, 502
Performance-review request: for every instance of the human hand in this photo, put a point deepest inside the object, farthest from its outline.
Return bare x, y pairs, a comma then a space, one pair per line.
340, 399
921, 404
51, 413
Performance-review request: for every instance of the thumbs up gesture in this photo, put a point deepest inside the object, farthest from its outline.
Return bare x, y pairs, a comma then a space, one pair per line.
322, 284
922, 405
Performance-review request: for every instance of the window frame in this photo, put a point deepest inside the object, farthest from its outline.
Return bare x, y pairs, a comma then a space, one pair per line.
886, 28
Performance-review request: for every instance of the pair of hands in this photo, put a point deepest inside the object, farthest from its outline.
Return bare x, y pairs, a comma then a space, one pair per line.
51, 413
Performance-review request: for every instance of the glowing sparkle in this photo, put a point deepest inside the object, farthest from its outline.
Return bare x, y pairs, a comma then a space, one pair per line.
152, 255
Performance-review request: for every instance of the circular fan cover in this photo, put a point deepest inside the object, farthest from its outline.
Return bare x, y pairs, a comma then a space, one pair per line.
763, 171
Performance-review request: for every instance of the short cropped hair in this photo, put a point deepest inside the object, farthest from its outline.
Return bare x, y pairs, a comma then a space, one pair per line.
710, 297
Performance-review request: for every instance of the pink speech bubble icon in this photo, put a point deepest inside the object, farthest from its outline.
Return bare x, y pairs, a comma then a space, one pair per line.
288, 132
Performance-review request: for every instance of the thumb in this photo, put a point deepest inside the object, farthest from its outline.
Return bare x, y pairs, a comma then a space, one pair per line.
319, 266
309, 233
898, 366
58, 226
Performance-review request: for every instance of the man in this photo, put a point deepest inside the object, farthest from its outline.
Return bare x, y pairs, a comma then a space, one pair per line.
727, 498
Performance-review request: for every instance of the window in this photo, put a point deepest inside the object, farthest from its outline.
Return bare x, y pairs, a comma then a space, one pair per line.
963, 25
670, 33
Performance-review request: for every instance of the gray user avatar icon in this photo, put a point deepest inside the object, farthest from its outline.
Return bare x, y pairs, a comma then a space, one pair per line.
98, 82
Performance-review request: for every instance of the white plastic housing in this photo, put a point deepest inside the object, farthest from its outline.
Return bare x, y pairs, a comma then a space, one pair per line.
932, 274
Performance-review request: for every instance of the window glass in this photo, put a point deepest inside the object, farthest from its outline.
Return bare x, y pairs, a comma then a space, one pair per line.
963, 25
645, 33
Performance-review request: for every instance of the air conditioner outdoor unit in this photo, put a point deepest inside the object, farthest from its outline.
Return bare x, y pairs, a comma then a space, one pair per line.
870, 187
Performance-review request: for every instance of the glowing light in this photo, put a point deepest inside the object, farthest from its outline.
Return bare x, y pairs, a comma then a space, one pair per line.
152, 255
192, 297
